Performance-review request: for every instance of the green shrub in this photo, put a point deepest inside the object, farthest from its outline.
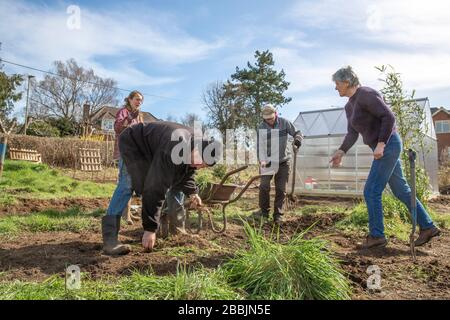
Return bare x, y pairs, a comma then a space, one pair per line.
203, 177
219, 171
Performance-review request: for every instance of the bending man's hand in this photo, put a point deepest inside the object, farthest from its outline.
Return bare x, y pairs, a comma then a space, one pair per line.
148, 240
195, 201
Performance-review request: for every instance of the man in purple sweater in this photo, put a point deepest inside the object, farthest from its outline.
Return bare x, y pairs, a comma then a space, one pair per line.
368, 115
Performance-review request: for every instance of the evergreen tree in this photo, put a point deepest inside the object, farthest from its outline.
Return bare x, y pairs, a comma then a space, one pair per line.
255, 86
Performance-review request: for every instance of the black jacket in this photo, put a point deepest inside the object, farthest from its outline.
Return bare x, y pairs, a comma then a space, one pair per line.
146, 150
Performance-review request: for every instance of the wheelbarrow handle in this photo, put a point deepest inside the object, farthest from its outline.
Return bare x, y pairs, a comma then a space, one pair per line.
224, 206
244, 189
228, 174
224, 220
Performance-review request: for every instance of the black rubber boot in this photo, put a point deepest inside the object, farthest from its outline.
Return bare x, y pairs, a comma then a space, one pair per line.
177, 222
110, 232
163, 231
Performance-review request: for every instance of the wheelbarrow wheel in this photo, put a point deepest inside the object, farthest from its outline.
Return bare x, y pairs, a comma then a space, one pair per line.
199, 222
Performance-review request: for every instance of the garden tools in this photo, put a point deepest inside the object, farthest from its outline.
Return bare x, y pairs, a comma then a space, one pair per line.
412, 165
290, 201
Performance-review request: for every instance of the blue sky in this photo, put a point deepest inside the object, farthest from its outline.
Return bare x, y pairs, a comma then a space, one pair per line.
175, 49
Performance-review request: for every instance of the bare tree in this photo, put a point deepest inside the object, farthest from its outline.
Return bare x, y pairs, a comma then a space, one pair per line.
222, 106
62, 94
171, 118
189, 119
102, 92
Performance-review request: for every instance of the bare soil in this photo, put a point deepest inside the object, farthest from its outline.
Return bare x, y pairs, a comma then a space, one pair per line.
36, 256
26, 206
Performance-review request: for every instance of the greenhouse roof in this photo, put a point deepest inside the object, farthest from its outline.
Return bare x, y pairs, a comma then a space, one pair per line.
333, 122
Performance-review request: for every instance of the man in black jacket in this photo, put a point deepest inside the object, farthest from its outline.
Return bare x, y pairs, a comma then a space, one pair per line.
160, 156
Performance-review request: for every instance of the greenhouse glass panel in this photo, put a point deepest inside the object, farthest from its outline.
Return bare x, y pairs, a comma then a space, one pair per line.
324, 132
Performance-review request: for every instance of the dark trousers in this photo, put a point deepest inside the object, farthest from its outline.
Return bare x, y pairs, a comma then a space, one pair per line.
281, 179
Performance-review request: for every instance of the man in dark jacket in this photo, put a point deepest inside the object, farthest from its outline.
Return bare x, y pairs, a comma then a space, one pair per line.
160, 156
272, 138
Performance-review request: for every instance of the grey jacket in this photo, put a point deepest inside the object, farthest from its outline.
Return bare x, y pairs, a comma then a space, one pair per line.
268, 142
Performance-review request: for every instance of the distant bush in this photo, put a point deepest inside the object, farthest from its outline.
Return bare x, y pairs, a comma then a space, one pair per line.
42, 129
61, 152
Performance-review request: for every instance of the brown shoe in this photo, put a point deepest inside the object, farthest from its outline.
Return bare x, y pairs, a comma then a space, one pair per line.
426, 235
372, 242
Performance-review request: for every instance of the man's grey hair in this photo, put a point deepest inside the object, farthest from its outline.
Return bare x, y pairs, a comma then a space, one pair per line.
347, 75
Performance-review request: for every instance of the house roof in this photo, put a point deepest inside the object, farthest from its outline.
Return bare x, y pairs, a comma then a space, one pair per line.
148, 117
434, 111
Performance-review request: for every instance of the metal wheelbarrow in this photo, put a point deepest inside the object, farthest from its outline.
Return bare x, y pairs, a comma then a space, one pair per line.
217, 194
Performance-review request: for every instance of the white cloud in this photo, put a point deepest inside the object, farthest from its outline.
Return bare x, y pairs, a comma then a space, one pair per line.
295, 39
397, 22
303, 72
39, 35
420, 71
133, 77
325, 13
410, 35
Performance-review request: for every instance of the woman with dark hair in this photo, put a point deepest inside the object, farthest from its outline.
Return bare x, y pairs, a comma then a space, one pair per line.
368, 115
127, 116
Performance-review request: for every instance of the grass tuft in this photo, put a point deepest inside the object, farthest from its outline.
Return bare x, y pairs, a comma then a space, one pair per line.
299, 270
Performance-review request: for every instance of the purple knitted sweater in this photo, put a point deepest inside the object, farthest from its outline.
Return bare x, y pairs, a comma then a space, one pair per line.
368, 115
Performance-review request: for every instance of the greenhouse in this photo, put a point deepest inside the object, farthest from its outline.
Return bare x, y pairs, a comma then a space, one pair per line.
324, 131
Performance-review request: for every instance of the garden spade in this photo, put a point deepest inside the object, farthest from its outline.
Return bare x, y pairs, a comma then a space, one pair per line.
412, 165
290, 201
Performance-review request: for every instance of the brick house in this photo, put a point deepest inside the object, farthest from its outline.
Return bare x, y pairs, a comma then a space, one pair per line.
441, 120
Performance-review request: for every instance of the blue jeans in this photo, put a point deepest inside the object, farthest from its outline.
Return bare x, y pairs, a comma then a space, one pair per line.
174, 207
386, 170
123, 192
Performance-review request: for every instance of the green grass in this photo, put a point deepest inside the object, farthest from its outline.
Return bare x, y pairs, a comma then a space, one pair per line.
181, 252
72, 220
29, 180
441, 220
396, 221
318, 209
300, 270
200, 284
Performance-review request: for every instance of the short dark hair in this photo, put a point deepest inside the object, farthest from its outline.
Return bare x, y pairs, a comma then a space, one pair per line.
216, 152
